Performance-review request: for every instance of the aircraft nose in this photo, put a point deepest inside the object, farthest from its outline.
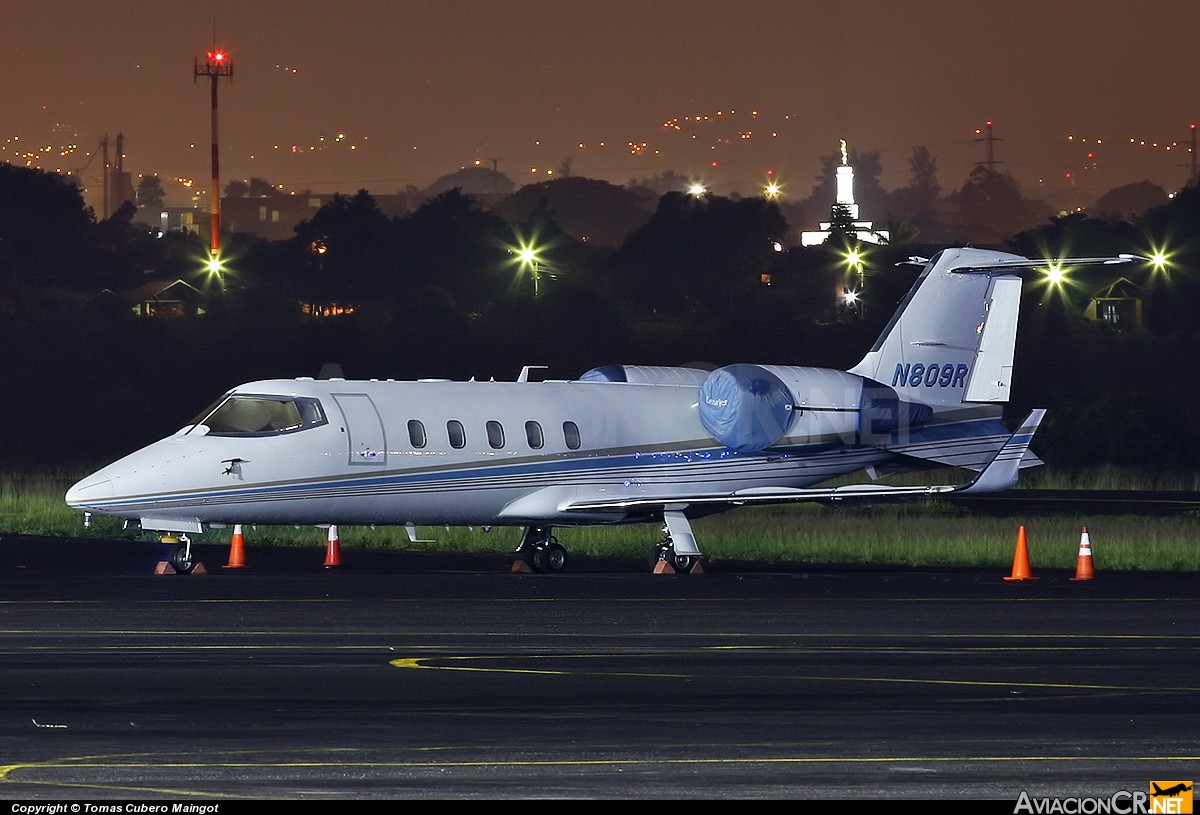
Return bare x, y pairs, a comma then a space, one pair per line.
93, 487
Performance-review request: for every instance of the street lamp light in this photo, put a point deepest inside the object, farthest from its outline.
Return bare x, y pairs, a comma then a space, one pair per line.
215, 269
854, 280
529, 260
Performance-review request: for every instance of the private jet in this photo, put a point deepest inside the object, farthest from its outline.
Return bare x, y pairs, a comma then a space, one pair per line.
622, 444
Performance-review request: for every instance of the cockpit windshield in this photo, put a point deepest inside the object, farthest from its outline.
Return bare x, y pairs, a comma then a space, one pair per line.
245, 415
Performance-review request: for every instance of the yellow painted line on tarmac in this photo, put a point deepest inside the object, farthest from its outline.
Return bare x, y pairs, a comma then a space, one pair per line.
92, 762
417, 663
656, 760
423, 663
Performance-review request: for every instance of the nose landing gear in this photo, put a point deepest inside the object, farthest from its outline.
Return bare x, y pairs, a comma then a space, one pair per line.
181, 559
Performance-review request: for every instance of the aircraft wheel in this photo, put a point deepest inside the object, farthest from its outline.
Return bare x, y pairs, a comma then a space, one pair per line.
556, 557
550, 558
181, 561
683, 563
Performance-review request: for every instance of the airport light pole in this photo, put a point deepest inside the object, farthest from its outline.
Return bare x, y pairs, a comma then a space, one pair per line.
529, 260
216, 65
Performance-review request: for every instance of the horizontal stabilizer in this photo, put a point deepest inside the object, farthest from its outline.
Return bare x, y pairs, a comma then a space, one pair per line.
1001, 474
1026, 263
968, 445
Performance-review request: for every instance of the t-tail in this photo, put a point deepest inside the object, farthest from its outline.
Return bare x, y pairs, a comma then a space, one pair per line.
951, 343
948, 354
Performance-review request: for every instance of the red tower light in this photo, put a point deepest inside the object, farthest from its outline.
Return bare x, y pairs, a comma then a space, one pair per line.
217, 66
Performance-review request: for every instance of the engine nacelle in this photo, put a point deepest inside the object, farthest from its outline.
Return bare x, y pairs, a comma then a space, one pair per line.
752, 407
646, 375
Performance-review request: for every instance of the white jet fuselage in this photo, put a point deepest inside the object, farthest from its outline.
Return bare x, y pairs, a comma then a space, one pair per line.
466, 453
621, 444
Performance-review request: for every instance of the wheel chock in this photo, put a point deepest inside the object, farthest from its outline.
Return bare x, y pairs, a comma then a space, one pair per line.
696, 568
662, 567
521, 567
165, 567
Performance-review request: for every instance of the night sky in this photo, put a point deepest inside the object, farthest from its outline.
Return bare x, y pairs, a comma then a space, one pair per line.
386, 95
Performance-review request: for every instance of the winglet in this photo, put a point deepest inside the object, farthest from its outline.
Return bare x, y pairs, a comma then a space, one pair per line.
1001, 472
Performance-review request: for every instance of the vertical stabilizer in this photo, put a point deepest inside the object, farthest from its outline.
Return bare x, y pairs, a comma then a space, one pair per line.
952, 339
990, 379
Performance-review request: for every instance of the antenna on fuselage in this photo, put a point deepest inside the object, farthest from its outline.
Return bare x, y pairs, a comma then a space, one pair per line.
524, 375
331, 370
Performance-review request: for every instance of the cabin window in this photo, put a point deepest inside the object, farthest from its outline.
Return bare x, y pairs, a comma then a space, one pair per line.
245, 415
571, 435
458, 436
495, 434
416, 433
533, 434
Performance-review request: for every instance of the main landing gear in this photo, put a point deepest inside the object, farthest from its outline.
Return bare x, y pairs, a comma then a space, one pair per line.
664, 552
541, 550
675, 553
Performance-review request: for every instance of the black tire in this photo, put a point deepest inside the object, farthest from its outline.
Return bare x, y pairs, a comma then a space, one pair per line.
549, 557
181, 561
556, 558
683, 563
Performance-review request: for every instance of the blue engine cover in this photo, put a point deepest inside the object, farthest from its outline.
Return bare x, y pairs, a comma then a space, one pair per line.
745, 407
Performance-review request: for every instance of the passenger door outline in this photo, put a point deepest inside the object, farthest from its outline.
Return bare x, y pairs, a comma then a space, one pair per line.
366, 440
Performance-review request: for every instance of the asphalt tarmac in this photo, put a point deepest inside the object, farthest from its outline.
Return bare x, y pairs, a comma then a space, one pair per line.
434, 677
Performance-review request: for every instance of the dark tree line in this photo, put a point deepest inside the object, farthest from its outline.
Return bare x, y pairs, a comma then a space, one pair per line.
443, 291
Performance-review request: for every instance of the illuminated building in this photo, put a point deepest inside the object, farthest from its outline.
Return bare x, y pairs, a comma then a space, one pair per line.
844, 212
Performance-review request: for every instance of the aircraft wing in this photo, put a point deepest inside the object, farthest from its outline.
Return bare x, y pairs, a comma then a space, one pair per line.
1000, 474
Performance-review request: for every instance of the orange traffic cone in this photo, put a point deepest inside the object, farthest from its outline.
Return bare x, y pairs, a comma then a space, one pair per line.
237, 549
1021, 570
1083, 565
333, 552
